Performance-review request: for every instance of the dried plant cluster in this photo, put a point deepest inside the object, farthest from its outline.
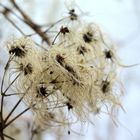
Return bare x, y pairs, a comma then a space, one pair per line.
76, 73
73, 76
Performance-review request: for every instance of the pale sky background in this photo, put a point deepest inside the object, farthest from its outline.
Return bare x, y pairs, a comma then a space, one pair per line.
120, 19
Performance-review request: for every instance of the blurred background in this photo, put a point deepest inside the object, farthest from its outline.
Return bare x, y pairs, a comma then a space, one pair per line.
120, 19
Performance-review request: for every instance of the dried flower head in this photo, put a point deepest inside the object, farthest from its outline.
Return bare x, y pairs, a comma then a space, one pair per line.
20, 47
75, 77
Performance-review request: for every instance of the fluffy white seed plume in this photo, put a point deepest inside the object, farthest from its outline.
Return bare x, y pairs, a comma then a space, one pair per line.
76, 75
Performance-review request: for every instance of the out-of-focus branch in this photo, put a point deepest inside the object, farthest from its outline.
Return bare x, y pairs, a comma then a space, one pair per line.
31, 24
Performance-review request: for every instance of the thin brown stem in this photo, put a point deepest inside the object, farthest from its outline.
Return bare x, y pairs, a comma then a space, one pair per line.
2, 136
9, 137
51, 26
1, 131
13, 109
11, 121
2, 93
11, 83
7, 95
14, 25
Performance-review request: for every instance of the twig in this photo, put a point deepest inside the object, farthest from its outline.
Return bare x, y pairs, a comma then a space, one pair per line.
9, 137
31, 24
14, 25
13, 109
11, 121
11, 83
